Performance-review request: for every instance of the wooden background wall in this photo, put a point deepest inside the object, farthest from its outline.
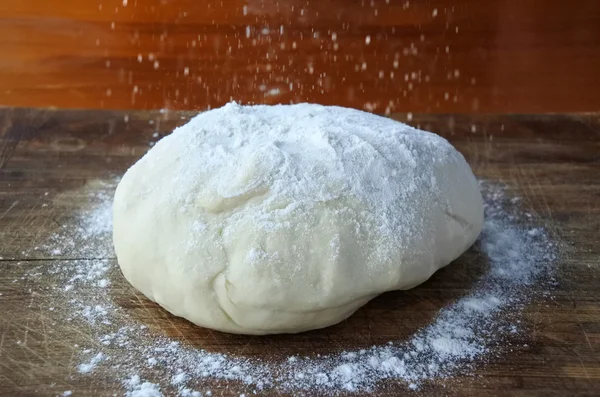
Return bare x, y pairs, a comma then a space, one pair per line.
379, 55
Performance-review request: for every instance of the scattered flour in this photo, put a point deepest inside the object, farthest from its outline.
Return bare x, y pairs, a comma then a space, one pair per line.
89, 366
136, 388
461, 336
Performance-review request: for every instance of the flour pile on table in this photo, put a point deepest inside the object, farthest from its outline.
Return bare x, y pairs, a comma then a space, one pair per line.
462, 335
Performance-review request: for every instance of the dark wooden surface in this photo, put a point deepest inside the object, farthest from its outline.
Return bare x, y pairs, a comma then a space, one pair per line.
500, 56
551, 162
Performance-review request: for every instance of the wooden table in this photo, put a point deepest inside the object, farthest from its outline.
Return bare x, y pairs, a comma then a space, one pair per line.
552, 162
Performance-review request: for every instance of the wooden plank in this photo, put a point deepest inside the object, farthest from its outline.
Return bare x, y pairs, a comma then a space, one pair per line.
386, 56
551, 162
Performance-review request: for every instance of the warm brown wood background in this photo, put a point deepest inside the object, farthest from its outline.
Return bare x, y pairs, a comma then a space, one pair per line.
524, 56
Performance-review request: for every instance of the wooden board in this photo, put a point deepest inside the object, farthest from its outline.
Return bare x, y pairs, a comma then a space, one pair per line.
551, 162
517, 56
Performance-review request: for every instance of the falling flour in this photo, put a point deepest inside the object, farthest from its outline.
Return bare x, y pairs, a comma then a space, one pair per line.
461, 336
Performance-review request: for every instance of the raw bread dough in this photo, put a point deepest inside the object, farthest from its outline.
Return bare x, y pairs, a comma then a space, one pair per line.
276, 219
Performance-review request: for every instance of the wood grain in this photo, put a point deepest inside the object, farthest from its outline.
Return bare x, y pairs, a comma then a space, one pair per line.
551, 162
517, 56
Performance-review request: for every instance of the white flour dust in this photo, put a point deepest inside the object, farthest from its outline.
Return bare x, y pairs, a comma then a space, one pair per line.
464, 334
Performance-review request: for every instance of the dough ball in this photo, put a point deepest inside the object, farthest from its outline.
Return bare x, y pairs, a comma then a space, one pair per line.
282, 219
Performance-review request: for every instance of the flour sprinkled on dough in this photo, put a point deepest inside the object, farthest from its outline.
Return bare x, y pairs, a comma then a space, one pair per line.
281, 219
